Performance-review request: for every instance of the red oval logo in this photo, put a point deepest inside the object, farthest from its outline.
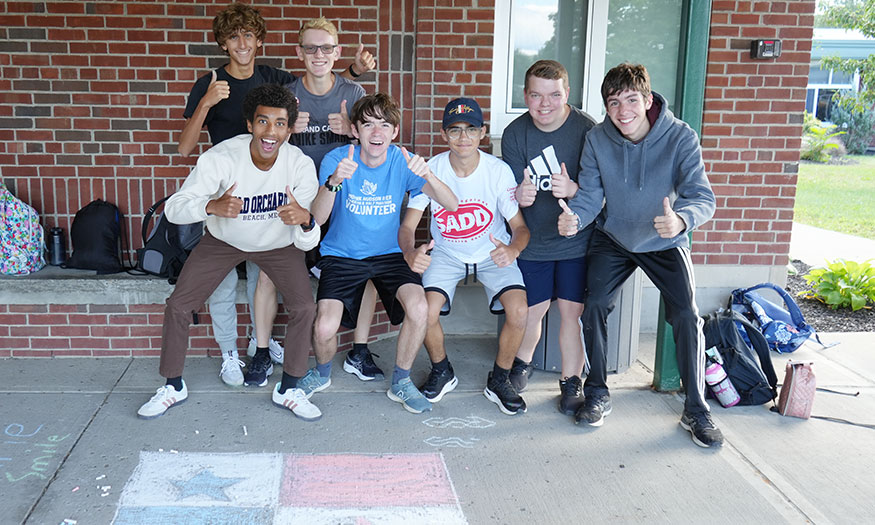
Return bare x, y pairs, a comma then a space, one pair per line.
469, 221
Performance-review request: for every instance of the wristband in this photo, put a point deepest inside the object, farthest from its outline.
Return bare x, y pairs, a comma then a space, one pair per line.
332, 189
352, 72
309, 226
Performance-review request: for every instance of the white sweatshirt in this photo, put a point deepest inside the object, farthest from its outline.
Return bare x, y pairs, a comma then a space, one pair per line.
257, 227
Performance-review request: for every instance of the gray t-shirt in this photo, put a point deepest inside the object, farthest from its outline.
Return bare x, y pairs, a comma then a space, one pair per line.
524, 145
318, 139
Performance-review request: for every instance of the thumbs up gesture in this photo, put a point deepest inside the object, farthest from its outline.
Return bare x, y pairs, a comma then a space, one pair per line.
416, 164
345, 168
568, 220
339, 122
293, 213
563, 186
526, 191
503, 255
669, 224
364, 60
419, 259
302, 121
216, 91
227, 206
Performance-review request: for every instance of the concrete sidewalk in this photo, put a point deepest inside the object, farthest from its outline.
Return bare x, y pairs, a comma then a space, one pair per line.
73, 449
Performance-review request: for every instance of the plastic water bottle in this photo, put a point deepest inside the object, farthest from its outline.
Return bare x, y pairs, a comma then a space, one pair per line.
721, 385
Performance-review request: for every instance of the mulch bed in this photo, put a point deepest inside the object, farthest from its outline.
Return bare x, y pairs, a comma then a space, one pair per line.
822, 317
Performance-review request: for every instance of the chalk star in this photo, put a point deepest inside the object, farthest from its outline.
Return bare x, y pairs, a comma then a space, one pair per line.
205, 483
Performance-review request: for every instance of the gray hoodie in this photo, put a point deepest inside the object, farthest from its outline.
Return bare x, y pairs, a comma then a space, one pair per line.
632, 180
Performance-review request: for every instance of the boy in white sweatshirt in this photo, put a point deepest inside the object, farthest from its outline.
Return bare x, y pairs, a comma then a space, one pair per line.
254, 192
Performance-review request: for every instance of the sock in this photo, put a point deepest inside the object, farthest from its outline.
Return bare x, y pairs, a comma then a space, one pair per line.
518, 361
324, 370
288, 382
263, 352
175, 382
499, 374
441, 366
358, 349
398, 374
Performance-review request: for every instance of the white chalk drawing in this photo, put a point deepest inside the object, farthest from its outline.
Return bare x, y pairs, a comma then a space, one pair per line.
458, 422
451, 442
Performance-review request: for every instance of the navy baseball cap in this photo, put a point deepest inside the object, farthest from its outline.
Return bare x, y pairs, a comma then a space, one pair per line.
463, 110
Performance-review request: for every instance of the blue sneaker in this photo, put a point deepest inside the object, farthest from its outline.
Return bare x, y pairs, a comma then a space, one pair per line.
313, 382
406, 393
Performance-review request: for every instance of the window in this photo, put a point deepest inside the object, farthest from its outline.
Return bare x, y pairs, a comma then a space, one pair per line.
822, 85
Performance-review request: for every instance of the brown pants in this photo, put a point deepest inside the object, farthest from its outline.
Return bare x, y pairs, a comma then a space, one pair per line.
205, 268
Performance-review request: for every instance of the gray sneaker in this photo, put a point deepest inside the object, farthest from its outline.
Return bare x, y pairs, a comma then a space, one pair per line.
231, 372
406, 393
313, 382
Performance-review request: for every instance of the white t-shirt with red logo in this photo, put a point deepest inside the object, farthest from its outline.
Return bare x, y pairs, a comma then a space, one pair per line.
486, 200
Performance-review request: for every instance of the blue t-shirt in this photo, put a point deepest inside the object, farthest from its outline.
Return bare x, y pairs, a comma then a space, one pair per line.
367, 209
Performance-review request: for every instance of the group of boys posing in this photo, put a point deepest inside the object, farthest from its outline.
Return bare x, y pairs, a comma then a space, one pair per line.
569, 213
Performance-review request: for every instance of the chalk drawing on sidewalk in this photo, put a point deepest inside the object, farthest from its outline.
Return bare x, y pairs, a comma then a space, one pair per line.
289, 488
458, 422
436, 441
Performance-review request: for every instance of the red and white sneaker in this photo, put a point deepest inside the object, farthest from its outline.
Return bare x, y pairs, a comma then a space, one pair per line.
164, 398
295, 399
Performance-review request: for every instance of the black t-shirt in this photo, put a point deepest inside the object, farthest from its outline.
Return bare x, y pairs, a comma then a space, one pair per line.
225, 119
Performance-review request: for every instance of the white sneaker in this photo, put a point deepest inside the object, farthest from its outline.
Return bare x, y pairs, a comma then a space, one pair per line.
276, 350
164, 398
296, 400
231, 372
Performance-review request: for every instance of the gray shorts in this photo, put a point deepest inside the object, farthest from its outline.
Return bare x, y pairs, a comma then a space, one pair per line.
445, 272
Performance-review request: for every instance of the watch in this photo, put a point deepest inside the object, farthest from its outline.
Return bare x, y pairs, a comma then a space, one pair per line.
332, 189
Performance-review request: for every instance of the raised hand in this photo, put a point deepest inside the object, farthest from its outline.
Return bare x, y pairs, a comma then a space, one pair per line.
227, 206
293, 213
419, 259
503, 255
302, 121
669, 224
416, 164
526, 191
563, 186
568, 220
364, 60
345, 168
217, 90
339, 122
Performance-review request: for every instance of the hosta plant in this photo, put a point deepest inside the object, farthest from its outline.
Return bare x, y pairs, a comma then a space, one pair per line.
842, 284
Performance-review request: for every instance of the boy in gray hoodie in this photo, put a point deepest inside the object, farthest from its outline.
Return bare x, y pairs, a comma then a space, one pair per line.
643, 179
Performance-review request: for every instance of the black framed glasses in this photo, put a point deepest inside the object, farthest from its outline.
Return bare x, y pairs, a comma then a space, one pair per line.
455, 132
327, 49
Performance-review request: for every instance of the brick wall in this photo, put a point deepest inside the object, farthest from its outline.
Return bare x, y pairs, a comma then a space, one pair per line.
751, 131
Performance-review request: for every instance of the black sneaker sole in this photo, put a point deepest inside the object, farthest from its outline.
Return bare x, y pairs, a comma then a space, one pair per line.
449, 386
492, 396
696, 440
598, 423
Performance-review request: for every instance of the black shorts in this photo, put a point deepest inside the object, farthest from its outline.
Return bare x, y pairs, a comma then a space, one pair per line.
344, 280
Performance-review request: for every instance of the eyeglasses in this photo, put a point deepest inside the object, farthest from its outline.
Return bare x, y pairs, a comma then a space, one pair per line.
327, 49
455, 132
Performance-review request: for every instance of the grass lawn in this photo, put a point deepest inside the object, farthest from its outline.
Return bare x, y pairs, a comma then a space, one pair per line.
838, 197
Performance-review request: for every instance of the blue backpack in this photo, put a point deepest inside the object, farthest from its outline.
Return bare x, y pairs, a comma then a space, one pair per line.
783, 326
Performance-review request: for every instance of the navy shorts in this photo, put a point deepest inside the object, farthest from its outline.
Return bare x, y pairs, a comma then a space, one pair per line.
549, 280
345, 279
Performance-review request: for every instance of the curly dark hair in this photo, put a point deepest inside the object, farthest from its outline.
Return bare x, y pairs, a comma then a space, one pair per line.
238, 17
625, 76
378, 105
271, 96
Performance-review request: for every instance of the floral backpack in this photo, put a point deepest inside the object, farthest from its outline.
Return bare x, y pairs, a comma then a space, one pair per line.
22, 240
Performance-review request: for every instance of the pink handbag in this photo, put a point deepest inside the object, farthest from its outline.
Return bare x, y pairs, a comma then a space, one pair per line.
797, 391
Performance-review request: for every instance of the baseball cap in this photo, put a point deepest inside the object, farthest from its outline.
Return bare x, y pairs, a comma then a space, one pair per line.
463, 110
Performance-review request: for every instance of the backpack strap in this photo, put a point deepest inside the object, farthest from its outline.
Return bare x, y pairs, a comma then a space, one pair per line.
761, 347
148, 218
792, 308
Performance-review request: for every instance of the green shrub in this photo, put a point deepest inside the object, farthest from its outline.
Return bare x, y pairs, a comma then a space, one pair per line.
860, 125
816, 143
842, 284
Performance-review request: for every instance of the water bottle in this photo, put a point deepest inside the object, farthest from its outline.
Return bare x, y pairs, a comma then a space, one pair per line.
57, 248
720, 384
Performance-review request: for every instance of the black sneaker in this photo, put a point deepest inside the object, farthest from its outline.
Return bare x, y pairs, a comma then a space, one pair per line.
594, 410
362, 365
520, 372
571, 397
504, 395
259, 369
439, 383
702, 429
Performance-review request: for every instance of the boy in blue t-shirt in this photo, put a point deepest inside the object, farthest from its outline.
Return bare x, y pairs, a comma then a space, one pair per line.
363, 188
